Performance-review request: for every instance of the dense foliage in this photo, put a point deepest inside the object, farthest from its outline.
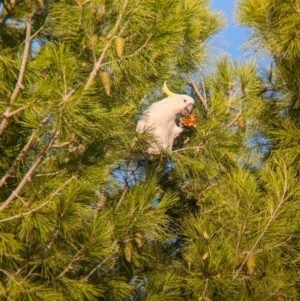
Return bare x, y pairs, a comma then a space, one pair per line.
85, 216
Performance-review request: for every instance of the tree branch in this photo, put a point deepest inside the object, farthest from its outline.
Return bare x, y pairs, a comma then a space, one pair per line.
203, 100
234, 120
282, 199
8, 115
122, 198
55, 193
9, 275
98, 266
19, 158
132, 54
188, 148
49, 173
22, 153
204, 291
75, 258
30, 172
98, 64
19, 85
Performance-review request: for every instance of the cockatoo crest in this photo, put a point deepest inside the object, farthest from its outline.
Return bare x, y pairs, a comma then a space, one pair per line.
160, 120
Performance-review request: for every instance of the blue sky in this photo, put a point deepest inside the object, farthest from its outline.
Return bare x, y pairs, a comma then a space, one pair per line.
231, 38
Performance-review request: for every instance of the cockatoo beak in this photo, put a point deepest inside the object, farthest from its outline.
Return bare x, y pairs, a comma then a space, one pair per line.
187, 110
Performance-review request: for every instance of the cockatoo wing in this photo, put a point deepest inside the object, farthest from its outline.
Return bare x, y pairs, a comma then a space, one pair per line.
160, 121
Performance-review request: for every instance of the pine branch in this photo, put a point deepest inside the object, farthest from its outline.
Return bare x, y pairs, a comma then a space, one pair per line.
98, 266
76, 257
281, 200
22, 154
85, 29
49, 173
19, 85
122, 198
234, 120
29, 273
9, 275
50, 244
30, 172
128, 19
205, 290
198, 93
6, 116
55, 193
98, 64
197, 148
132, 54
231, 97
19, 158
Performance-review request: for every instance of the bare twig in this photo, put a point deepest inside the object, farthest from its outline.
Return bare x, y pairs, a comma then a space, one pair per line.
55, 193
29, 273
19, 85
9, 275
198, 93
205, 289
50, 244
19, 158
188, 148
203, 86
36, 33
8, 115
76, 257
234, 119
30, 172
23, 152
231, 97
98, 64
139, 49
275, 246
67, 97
122, 198
98, 266
49, 173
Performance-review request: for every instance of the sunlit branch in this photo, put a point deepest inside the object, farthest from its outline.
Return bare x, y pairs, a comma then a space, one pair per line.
98, 266
55, 193
234, 119
19, 158
197, 148
281, 200
98, 64
19, 85
30, 172
198, 93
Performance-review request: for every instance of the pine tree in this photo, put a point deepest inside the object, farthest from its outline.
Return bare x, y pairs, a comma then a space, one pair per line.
79, 219
241, 240
84, 216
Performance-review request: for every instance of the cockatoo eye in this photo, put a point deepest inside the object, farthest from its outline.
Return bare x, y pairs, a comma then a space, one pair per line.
184, 100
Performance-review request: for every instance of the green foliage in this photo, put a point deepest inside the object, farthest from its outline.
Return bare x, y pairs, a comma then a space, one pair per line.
84, 216
76, 221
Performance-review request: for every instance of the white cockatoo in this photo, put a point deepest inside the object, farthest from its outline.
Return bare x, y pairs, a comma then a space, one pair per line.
159, 120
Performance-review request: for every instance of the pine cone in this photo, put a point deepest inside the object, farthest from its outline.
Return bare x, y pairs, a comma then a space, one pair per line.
189, 120
105, 79
127, 251
250, 265
119, 44
138, 239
